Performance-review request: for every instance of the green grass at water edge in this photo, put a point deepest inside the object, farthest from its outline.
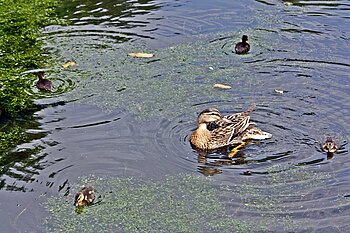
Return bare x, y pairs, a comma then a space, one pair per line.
21, 49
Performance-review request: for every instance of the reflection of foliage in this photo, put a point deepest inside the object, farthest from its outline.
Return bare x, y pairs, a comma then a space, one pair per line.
123, 11
9, 139
12, 133
20, 49
182, 203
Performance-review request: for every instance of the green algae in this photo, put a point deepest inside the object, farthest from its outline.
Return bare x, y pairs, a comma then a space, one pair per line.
182, 203
187, 203
178, 78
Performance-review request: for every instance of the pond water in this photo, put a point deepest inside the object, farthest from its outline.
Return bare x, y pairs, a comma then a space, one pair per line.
118, 116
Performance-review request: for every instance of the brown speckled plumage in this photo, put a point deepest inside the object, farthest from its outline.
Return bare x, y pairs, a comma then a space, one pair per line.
329, 146
85, 196
215, 131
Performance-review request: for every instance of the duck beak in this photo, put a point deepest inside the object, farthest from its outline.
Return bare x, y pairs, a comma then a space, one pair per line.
76, 203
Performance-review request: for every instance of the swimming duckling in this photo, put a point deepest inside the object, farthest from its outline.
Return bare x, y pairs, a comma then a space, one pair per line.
329, 146
215, 131
43, 84
243, 46
85, 196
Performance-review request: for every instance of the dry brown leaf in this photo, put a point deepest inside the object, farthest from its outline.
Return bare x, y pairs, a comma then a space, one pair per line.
69, 63
223, 86
141, 55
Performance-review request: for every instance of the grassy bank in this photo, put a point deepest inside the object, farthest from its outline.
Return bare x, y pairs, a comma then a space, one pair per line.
20, 50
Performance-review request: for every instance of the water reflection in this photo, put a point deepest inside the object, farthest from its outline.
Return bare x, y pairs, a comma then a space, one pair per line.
111, 20
21, 167
118, 116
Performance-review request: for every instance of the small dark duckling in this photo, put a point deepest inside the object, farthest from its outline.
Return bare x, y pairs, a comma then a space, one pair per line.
85, 196
43, 84
329, 146
243, 46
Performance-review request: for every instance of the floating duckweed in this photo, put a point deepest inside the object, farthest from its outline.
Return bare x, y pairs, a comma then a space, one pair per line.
183, 203
188, 203
175, 79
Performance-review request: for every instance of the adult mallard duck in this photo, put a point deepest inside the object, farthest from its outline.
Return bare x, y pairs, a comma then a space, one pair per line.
43, 84
85, 196
215, 131
329, 146
243, 46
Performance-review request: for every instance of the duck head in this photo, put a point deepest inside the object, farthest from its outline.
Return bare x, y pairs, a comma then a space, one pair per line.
244, 38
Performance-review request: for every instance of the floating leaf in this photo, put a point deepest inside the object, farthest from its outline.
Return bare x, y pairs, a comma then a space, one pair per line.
141, 55
280, 91
69, 63
223, 86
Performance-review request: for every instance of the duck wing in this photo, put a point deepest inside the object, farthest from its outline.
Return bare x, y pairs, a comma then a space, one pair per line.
220, 137
240, 121
227, 133
228, 120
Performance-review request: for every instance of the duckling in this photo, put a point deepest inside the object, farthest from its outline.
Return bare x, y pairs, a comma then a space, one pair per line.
85, 196
243, 46
330, 146
43, 84
215, 131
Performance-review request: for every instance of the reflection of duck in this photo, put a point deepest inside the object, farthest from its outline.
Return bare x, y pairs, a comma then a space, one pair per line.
215, 131
329, 146
43, 84
85, 196
243, 46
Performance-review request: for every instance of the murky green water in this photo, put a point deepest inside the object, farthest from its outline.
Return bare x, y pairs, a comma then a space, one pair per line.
120, 117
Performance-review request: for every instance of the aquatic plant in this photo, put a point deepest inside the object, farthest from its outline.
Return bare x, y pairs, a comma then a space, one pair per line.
13, 136
20, 49
182, 203
190, 203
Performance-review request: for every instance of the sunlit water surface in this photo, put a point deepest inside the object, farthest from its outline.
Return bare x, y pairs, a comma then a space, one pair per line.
120, 116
